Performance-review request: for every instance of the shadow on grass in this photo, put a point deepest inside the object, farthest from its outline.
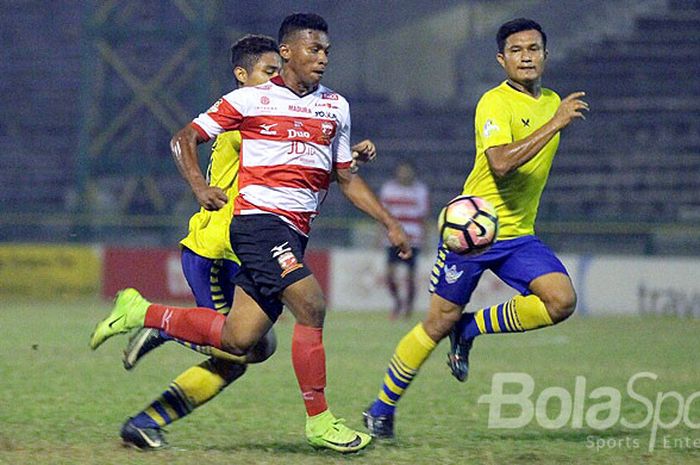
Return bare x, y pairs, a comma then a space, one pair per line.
297, 447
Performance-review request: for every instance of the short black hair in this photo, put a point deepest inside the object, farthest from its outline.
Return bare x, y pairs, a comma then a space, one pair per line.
299, 22
518, 25
248, 49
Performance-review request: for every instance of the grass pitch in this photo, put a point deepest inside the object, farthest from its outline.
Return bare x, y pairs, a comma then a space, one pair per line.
60, 403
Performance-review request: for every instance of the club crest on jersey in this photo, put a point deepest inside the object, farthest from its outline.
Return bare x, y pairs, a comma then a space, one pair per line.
327, 128
214, 108
452, 275
489, 127
267, 129
286, 259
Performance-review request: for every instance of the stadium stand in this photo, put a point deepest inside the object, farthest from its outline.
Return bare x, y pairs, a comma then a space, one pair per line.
636, 158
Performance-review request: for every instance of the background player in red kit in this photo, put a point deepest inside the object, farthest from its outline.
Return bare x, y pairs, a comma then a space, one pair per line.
408, 200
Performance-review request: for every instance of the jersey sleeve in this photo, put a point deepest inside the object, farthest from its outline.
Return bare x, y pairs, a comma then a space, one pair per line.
225, 115
342, 155
492, 121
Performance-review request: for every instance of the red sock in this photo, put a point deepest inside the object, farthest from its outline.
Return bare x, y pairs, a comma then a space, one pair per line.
309, 361
201, 326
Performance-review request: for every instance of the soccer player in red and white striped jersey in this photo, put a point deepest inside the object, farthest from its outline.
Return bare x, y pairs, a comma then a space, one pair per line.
295, 136
408, 199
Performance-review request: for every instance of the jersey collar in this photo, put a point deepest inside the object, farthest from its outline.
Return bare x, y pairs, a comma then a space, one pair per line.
278, 81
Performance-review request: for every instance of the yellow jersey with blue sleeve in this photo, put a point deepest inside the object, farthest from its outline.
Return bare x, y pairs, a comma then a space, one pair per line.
209, 230
505, 115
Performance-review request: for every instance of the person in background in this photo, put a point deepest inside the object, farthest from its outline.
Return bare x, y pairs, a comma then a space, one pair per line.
408, 199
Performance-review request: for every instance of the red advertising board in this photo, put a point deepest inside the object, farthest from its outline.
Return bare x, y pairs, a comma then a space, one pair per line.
157, 274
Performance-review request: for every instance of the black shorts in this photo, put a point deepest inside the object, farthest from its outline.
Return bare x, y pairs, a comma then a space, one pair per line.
392, 256
271, 255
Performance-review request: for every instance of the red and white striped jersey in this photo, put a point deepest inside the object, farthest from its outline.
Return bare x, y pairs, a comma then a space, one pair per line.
410, 205
290, 145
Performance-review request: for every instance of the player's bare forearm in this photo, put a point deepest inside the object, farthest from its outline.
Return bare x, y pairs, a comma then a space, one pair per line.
360, 194
504, 159
183, 146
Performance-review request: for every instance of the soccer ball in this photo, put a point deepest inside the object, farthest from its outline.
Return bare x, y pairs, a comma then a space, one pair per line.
468, 225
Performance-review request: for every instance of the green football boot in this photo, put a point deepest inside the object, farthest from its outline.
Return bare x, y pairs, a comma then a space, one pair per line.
129, 312
326, 431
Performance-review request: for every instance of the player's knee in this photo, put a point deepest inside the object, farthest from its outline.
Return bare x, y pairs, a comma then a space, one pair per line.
234, 345
442, 316
263, 349
310, 310
561, 304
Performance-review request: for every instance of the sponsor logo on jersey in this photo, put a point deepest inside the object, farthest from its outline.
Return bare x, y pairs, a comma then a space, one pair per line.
265, 100
329, 95
299, 109
489, 127
267, 129
326, 105
214, 108
452, 275
298, 133
326, 114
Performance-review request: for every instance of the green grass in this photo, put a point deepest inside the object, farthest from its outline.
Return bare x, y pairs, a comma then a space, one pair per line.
60, 403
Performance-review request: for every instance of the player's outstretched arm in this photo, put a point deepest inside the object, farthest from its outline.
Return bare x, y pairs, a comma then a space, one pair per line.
183, 146
504, 159
360, 194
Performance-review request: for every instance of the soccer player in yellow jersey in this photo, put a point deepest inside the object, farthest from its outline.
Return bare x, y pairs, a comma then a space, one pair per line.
209, 265
517, 126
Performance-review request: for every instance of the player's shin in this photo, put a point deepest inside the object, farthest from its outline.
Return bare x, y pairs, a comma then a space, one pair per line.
192, 388
521, 313
196, 325
309, 361
411, 352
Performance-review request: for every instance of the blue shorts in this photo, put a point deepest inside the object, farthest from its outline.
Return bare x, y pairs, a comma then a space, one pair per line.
211, 281
515, 261
272, 258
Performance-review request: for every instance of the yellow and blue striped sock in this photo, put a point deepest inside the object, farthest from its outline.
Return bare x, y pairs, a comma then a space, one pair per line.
194, 387
411, 352
521, 313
